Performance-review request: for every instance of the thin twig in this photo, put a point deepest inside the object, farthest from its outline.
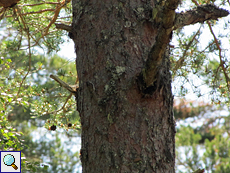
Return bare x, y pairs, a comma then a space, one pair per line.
57, 11
62, 108
3, 10
34, 12
63, 27
29, 5
179, 63
29, 47
71, 88
220, 56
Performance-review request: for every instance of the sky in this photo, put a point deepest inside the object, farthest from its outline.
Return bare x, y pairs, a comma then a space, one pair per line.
67, 49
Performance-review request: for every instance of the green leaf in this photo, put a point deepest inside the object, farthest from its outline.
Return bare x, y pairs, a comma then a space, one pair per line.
9, 60
2, 100
46, 167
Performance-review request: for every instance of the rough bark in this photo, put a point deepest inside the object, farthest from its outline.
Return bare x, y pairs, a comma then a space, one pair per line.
8, 3
199, 14
164, 18
122, 129
127, 119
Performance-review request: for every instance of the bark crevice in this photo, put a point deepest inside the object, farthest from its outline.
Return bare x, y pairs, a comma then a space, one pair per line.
122, 131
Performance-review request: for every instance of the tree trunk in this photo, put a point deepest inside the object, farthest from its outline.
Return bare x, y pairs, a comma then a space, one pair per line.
123, 128
8, 3
124, 96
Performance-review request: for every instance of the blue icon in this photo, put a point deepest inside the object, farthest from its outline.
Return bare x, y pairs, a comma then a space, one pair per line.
9, 160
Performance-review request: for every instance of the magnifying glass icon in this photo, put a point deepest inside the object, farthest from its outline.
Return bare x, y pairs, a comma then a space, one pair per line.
9, 160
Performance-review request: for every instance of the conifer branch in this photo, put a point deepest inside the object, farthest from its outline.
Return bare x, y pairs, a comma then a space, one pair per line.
199, 171
70, 88
199, 14
222, 62
63, 27
169, 22
148, 75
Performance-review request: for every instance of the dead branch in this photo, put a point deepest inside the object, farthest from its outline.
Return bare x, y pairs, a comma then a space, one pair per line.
199, 14
63, 27
70, 88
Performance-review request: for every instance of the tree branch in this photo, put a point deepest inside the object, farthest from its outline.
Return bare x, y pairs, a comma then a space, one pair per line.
199, 171
29, 47
222, 63
53, 20
166, 22
63, 27
180, 62
199, 14
31, 5
70, 88
169, 21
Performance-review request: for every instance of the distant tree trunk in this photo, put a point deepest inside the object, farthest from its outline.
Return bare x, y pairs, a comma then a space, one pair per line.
124, 96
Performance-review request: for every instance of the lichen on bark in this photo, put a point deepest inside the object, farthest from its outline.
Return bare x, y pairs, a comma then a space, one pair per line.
124, 96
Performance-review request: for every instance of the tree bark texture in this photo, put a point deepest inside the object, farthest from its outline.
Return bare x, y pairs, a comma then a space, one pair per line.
8, 3
123, 129
124, 96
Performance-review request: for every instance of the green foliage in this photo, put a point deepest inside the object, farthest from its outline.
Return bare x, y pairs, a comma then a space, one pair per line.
200, 66
187, 137
9, 136
50, 153
39, 94
205, 144
37, 19
215, 154
30, 99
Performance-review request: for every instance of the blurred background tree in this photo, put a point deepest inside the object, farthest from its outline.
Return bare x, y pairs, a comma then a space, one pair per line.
30, 100
31, 33
200, 68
